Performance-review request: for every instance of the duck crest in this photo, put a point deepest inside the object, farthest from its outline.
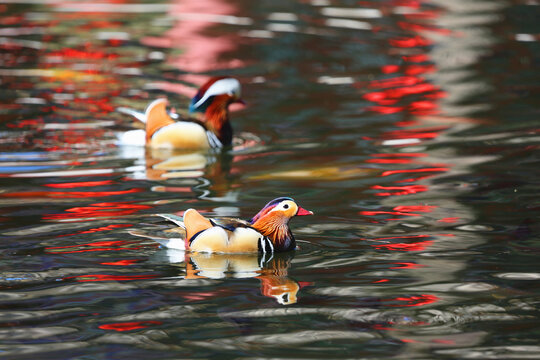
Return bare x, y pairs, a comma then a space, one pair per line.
202, 90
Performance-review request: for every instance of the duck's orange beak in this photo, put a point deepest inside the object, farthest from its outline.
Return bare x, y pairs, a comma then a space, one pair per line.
302, 211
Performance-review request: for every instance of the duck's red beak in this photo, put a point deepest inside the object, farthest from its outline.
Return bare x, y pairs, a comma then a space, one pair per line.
302, 211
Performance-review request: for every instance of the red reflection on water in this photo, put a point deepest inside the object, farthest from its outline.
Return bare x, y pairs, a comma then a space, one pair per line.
103, 228
113, 245
419, 300
390, 96
419, 246
392, 172
389, 161
407, 265
400, 190
68, 195
422, 27
402, 210
399, 155
409, 341
69, 54
386, 212
443, 341
416, 58
106, 209
419, 133
408, 42
386, 109
389, 69
417, 208
393, 82
25, 122
79, 184
449, 220
96, 105
126, 326
382, 327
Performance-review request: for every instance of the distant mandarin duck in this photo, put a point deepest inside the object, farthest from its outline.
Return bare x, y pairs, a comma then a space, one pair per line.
210, 129
267, 232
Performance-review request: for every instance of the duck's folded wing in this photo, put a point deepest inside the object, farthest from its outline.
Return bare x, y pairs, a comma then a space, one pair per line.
178, 220
229, 223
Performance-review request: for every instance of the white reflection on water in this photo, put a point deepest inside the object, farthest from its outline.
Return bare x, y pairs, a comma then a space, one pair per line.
495, 352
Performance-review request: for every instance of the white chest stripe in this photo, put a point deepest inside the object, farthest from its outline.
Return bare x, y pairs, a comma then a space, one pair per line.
213, 140
264, 243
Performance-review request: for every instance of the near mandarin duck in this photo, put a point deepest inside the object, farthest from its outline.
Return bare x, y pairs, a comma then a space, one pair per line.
211, 130
267, 232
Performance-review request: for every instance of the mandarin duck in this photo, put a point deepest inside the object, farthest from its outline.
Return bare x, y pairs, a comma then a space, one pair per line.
208, 126
267, 232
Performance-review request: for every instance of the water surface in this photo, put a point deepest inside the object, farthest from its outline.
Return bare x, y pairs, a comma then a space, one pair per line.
410, 128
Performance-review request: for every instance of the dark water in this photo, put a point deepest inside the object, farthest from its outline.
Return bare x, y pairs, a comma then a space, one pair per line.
410, 128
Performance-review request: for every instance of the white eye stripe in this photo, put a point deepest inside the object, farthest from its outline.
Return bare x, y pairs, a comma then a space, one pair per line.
282, 206
224, 86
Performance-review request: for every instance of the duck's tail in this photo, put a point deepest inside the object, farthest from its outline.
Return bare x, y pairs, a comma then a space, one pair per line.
132, 112
170, 243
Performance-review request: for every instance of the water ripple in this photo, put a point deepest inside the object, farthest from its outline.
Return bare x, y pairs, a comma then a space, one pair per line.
495, 352
287, 339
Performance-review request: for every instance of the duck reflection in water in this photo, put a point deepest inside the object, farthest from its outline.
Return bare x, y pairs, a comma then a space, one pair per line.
271, 269
161, 164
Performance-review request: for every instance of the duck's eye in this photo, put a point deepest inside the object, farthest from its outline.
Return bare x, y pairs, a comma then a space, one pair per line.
286, 206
